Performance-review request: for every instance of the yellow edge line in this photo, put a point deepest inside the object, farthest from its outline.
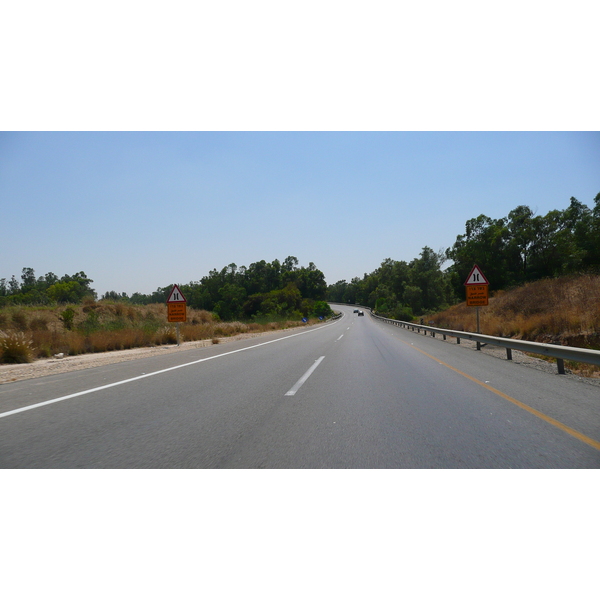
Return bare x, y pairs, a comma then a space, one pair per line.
576, 434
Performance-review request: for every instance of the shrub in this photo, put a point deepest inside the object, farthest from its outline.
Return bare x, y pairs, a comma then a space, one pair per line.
91, 323
404, 313
202, 316
15, 347
74, 343
67, 316
20, 320
39, 324
166, 335
321, 309
90, 307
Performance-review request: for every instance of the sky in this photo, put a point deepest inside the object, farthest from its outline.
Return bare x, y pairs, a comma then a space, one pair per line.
140, 210
146, 147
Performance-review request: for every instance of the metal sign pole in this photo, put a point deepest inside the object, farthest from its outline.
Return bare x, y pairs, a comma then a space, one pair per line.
478, 343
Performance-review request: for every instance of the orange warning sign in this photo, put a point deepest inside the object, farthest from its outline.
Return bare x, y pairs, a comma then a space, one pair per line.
477, 295
177, 312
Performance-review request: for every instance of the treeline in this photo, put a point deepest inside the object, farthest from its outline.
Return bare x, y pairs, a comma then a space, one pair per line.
399, 289
260, 290
525, 247
45, 290
511, 251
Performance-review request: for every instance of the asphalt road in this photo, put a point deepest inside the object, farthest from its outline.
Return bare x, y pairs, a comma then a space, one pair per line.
353, 393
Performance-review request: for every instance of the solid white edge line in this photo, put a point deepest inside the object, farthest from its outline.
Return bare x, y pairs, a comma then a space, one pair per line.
304, 377
116, 383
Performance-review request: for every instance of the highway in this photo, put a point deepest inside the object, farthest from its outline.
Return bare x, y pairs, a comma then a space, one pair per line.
352, 393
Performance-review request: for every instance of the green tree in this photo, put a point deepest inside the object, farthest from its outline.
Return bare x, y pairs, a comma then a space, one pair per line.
546, 259
28, 278
311, 282
229, 307
65, 292
593, 254
485, 244
13, 286
321, 309
289, 265
521, 238
115, 296
413, 297
427, 276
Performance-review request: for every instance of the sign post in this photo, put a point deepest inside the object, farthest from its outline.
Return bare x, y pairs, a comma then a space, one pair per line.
477, 292
176, 309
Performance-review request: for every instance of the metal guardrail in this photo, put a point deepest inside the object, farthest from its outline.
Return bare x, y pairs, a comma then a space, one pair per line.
560, 353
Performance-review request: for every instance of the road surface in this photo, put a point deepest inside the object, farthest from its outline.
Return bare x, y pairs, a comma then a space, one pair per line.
352, 393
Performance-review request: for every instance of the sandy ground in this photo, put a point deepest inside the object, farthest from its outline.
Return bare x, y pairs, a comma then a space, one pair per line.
53, 366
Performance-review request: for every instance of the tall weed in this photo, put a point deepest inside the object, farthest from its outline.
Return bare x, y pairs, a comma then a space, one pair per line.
15, 347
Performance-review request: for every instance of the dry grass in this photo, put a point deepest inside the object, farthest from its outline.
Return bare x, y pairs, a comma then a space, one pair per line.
105, 326
563, 311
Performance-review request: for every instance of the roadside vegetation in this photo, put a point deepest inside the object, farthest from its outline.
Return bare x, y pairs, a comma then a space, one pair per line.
45, 316
511, 251
564, 310
543, 272
28, 333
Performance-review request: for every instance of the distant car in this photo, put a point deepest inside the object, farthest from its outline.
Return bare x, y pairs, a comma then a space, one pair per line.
361, 313
356, 310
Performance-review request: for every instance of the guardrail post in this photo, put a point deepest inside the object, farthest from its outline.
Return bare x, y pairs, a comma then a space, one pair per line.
509, 354
560, 363
458, 340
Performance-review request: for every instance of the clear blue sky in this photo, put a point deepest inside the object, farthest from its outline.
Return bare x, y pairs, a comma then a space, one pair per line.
136, 211
140, 210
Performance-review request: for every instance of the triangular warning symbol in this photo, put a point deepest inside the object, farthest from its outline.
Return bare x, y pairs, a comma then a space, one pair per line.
476, 277
176, 295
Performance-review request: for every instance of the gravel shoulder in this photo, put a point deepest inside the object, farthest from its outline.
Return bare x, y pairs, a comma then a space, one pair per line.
520, 358
54, 366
